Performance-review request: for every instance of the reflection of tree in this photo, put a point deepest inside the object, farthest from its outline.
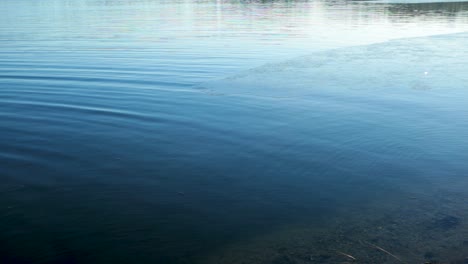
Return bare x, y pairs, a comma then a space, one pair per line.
270, 1
445, 9
279, 12
400, 12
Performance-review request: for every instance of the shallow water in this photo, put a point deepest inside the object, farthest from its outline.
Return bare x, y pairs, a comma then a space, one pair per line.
205, 132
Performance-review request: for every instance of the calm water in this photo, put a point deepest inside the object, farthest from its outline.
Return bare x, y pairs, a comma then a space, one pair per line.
122, 141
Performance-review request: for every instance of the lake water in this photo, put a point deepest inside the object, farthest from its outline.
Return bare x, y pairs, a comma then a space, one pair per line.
194, 131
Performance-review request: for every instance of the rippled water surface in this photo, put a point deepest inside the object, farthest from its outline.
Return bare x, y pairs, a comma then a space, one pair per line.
188, 131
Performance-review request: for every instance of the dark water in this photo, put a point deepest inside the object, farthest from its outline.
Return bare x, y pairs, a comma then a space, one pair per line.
113, 149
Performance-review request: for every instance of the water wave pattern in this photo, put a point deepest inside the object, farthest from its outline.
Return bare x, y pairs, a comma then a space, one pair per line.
110, 154
400, 69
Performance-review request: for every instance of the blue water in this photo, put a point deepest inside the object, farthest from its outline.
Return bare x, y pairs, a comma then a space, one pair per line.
157, 131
